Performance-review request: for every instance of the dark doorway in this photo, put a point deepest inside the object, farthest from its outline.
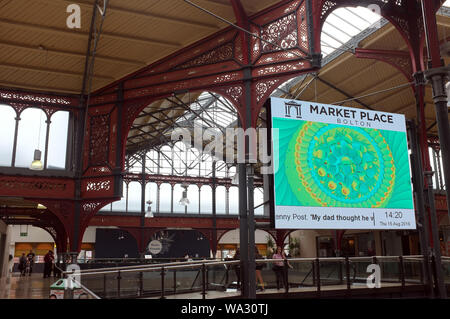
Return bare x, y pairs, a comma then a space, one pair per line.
115, 243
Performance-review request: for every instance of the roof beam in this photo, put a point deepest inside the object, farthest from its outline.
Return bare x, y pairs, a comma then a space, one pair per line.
356, 74
380, 86
344, 93
49, 71
129, 38
20, 85
22, 46
144, 14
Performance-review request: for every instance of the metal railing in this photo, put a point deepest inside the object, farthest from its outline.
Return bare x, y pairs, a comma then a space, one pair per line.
206, 276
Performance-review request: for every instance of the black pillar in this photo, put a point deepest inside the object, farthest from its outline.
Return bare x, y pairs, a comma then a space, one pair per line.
214, 211
438, 78
143, 183
422, 215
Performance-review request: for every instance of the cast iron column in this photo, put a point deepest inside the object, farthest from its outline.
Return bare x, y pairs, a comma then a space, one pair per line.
214, 211
142, 205
422, 216
438, 78
243, 228
437, 75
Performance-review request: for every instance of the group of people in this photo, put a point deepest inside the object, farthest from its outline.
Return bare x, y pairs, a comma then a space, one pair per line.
26, 264
279, 267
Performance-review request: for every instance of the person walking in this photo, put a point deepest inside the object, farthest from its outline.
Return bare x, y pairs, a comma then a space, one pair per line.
22, 264
237, 268
30, 258
280, 269
258, 268
48, 264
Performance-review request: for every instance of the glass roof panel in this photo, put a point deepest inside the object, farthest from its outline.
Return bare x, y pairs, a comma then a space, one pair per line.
343, 24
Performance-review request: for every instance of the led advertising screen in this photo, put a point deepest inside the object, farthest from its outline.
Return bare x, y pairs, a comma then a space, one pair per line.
339, 168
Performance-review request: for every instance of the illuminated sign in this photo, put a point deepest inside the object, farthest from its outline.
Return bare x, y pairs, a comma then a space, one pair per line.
339, 168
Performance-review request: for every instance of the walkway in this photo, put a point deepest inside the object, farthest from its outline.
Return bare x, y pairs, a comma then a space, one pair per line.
36, 287
33, 287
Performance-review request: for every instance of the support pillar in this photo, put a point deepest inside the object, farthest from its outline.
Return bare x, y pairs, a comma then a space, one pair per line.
142, 224
243, 228
214, 205
438, 77
423, 224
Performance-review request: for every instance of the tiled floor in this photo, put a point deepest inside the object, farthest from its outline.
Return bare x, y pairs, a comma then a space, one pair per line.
29, 287
36, 287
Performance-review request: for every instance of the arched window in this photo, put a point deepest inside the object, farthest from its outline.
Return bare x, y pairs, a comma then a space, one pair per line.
151, 162
31, 135
7, 128
258, 197
221, 200
192, 195
106, 208
134, 197
57, 143
221, 169
165, 160
205, 165
234, 200
121, 205
151, 192
165, 198
193, 162
206, 199
177, 195
179, 158
231, 171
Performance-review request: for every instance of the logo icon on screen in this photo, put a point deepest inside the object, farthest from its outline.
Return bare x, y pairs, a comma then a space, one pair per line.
288, 106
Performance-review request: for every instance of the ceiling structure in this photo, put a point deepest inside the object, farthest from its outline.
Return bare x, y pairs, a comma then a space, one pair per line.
39, 51
342, 78
345, 79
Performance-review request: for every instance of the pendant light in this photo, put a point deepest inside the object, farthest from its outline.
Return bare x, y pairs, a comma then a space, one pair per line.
37, 165
184, 200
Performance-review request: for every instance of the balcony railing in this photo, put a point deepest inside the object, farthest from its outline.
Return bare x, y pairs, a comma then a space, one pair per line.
219, 279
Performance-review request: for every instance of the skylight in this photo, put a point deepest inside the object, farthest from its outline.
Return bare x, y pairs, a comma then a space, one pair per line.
343, 24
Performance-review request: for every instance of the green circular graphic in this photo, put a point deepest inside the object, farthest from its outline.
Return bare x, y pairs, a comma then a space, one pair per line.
338, 166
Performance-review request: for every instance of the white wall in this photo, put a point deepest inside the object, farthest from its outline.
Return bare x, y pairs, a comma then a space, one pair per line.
232, 237
4, 258
35, 235
39, 235
307, 240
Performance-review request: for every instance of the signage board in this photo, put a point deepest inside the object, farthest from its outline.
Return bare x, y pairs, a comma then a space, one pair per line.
339, 168
155, 247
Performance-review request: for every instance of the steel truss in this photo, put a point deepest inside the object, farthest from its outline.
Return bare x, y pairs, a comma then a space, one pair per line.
231, 63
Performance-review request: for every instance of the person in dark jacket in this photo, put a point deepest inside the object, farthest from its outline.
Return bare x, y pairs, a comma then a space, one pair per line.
48, 264
22, 264
237, 267
30, 258
258, 268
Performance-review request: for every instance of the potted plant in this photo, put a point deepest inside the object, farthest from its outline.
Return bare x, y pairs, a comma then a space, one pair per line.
270, 246
294, 247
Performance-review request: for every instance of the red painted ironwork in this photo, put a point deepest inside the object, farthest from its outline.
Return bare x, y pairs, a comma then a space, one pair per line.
217, 64
36, 187
174, 179
400, 60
